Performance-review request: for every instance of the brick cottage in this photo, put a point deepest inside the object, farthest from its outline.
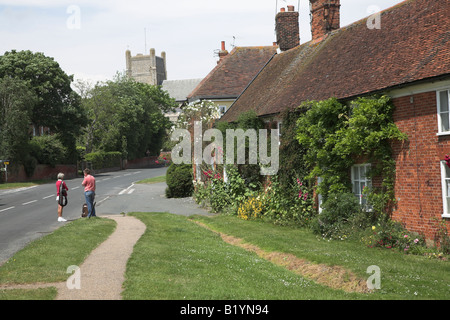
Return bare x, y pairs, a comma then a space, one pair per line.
402, 52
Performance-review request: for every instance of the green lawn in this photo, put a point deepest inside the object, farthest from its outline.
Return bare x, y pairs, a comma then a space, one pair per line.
179, 259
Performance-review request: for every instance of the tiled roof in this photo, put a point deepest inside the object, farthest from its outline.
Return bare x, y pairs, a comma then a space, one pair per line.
233, 73
412, 44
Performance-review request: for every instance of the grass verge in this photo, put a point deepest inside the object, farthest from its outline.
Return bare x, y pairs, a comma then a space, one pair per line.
15, 185
46, 260
402, 276
153, 180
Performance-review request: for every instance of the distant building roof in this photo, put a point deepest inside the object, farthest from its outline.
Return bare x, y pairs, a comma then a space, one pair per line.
180, 89
412, 45
233, 73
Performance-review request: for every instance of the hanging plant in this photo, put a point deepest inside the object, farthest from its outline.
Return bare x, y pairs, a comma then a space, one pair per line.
447, 160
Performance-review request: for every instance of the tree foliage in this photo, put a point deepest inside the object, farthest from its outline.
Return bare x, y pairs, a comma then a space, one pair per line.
126, 116
56, 105
337, 135
16, 102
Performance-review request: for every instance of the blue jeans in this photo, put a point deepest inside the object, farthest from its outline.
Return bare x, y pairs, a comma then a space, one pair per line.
90, 196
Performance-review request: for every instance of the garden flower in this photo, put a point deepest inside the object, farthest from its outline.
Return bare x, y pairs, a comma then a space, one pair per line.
405, 236
373, 228
416, 240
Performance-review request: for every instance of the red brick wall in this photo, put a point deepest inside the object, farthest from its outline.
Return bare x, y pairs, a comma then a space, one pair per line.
418, 175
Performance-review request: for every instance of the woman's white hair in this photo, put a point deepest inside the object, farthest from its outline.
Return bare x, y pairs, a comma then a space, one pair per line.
61, 175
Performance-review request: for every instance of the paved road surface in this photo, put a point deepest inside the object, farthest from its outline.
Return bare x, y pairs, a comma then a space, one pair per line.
29, 213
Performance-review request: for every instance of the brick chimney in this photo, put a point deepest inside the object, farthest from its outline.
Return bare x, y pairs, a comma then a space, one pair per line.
325, 17
287, 28
222, 52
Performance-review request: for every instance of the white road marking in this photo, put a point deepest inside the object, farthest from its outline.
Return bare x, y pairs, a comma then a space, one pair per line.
7, 209
103, 200
127, 190
24, 204
48, 196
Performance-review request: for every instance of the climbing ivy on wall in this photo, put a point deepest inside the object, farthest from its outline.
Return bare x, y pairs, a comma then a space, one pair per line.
337, 135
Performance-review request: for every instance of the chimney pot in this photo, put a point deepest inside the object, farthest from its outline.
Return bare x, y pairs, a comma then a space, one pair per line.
290, 8
282, 9
222, 52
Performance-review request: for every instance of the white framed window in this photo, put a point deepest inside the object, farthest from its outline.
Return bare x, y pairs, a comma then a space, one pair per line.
222, 109
443, 106
360, 181
445, 183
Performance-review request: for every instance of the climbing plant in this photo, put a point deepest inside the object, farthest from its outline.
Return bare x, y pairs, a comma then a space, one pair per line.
337, 135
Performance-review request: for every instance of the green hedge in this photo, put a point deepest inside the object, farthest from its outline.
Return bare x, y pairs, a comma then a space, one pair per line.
101, 160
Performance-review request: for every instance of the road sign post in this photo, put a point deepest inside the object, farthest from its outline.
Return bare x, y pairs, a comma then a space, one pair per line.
6, 163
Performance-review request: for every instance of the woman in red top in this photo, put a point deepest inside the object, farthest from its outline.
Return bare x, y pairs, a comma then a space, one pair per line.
59, 196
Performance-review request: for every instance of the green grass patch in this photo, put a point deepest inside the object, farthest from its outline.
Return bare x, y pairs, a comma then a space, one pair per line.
47, 259
402, 276
35, 294
153, 180
15, 185
177, 259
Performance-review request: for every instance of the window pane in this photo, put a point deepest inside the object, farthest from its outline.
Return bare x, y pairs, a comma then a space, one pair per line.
448, 205
447, 170
355, 173
447, 182
362, 186
356, 188
443, 101
444, 122
362, 172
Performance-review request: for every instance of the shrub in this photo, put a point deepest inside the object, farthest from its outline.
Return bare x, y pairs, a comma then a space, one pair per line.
391, 234
48, 149
179, 181
336, 213
288, 203
251, 208
222, 196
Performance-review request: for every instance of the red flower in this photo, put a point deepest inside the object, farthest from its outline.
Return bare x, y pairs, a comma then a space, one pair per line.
447, 159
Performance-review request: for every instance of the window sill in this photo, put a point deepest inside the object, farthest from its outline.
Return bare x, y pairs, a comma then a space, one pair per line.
445, 215
447, 133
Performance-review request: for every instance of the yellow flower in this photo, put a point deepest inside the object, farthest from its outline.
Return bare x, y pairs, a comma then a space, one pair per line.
373, 228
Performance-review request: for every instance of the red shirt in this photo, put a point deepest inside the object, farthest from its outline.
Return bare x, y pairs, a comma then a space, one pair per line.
89, 183
58, 183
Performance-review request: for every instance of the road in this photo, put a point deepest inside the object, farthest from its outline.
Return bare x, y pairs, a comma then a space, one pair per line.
29, 213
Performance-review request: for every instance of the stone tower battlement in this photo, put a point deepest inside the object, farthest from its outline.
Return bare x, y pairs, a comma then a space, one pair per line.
149, 69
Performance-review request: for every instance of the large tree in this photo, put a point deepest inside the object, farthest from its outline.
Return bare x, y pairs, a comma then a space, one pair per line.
126, 116
16, 102
57, 106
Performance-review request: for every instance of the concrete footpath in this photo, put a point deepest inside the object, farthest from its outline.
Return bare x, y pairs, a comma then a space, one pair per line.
101, 275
